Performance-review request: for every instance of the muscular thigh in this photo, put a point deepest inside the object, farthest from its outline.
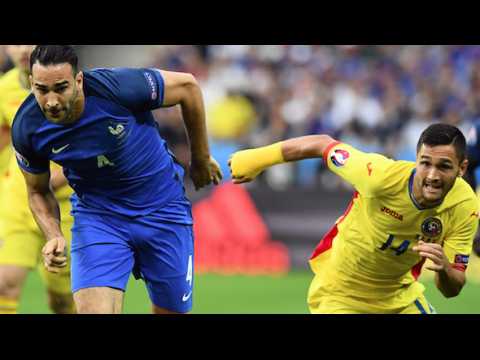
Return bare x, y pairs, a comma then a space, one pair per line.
101, 255
164, 259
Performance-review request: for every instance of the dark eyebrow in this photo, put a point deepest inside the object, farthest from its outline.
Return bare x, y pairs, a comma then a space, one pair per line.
442, 160
64, 82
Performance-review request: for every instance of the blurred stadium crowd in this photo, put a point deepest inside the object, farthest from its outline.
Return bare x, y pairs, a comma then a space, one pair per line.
378, 98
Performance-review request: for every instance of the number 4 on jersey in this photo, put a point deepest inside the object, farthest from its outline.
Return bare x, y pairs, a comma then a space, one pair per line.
102, 161
399, 250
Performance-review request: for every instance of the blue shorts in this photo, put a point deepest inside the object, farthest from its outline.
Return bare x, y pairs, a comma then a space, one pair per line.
106, 249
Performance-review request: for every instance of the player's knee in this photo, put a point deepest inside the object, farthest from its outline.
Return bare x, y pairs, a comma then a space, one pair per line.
87, 303
61, 303
10, 287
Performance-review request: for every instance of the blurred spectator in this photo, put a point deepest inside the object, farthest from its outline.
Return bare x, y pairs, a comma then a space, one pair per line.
378, 98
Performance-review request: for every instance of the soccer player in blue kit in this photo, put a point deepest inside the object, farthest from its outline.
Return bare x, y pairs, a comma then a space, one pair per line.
129, 207
473, 151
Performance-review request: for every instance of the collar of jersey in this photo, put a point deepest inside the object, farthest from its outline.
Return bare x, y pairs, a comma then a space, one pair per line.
410, 192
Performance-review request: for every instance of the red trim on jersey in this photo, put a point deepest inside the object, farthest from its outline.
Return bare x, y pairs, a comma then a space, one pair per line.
327, 150
417, 269
327, 240
459, 267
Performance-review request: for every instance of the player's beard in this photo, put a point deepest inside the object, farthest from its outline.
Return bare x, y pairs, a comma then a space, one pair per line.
69, 109
434, 200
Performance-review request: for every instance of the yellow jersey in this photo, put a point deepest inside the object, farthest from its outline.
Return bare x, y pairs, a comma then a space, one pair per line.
12, 185
12, 95
366, 259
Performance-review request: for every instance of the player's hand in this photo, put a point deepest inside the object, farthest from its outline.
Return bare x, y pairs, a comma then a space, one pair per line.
242, 166
203, 172
433, 252
55, 254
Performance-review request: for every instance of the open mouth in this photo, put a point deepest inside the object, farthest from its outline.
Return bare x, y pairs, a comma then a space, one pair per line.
55, 114
432, 189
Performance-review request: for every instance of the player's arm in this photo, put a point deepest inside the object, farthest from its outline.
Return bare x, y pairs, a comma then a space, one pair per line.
57, 180
448, 279
46, 212
245, 165
450, 260
183, 89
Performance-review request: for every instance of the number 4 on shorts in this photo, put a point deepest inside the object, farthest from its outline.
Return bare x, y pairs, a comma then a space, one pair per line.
190, 270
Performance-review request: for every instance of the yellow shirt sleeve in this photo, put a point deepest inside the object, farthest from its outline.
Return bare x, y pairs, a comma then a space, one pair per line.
365, 171
458, 242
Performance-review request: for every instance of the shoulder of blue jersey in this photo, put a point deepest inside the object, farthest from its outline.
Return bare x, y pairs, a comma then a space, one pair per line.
27, 118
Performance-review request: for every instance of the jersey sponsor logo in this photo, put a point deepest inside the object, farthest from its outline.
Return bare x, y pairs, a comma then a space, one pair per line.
59, 150
432, 227
118, 130
369, 168
22, 159
393, 213
339, 157
152, 83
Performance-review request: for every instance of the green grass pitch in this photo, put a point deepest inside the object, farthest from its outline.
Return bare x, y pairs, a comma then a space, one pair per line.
217, 294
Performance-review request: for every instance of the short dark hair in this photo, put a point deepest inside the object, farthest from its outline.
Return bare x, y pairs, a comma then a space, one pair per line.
444, 134
53, 55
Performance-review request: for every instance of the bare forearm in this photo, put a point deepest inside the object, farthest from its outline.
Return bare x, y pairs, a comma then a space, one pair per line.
46, 213
450, 282
57, 180
305, 147
193, 113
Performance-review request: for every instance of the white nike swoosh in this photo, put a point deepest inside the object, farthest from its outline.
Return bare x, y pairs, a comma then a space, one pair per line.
186, 296
59, 150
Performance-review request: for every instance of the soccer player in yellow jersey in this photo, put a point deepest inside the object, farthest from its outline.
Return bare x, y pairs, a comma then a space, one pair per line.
21, 241
402, 214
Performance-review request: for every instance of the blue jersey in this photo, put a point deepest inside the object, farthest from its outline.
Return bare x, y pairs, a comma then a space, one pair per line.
113, 157
473, 145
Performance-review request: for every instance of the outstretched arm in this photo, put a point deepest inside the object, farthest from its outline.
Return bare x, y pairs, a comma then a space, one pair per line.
183, 89
247, 164
46, 213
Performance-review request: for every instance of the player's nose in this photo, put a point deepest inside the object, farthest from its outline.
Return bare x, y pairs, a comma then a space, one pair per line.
433, 175
52, 102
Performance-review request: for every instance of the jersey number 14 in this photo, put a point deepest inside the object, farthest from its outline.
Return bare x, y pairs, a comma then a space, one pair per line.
398, 250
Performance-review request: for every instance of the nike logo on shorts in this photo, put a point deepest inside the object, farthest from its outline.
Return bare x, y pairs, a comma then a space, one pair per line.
186, 296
